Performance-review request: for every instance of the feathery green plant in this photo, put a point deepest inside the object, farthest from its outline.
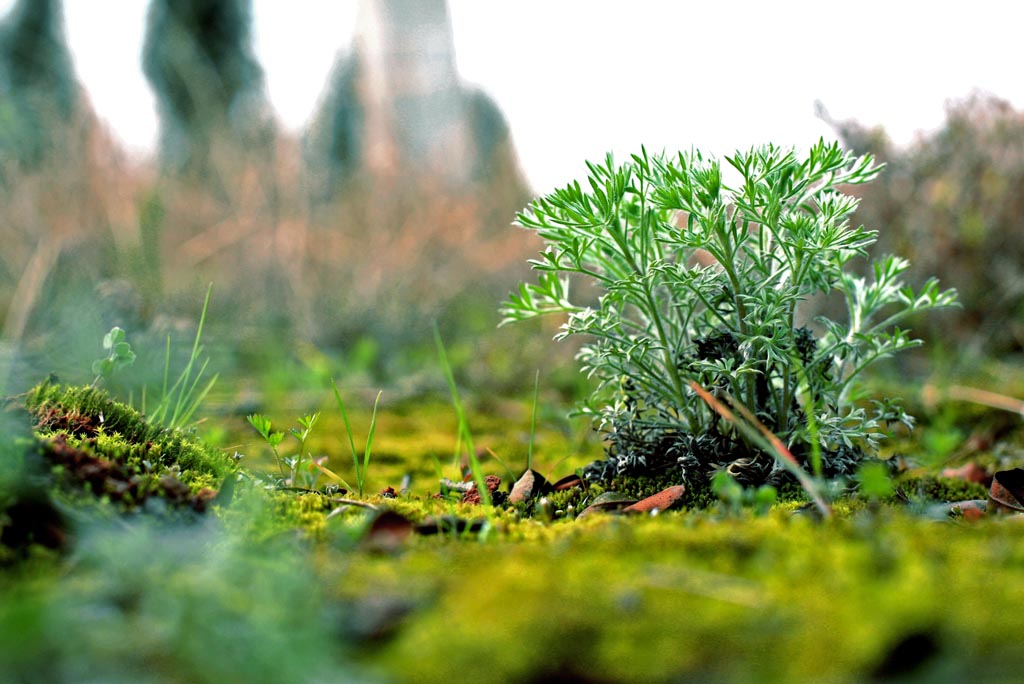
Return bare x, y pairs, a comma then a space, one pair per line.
701, 277
272, 437
294, 463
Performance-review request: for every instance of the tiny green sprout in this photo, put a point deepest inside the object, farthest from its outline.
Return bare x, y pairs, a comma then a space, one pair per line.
306, 423
727, 489
119, 355
262, 425
735, 498
874, 480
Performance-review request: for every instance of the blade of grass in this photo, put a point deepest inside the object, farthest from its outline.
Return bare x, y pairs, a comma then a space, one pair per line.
186, 417
183, 396
369, 443
986, 398
755, 430
533, 421
331, 475
464, 435
812, 419
360, 471
500, 461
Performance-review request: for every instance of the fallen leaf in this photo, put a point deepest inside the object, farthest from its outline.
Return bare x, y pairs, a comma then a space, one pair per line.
528, 486
568, 482
970, 472
662, 501
1007, 492
387, 532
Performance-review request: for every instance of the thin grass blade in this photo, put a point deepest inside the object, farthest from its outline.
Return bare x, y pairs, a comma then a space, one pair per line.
755, 430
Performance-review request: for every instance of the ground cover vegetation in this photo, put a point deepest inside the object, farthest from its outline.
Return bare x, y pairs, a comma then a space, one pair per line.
275, 486
149, 546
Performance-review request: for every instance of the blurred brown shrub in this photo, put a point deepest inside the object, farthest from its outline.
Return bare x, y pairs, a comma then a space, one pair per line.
953, 203
94, 240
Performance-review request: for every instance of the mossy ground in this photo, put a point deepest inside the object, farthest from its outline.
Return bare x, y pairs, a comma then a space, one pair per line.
285, 586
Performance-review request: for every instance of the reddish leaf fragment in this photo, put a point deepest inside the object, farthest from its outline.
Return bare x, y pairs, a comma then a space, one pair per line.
974, 509
531, 484
661, 501
388, 531
203, 498
970, 510
568, 482
971, 472
1007, 492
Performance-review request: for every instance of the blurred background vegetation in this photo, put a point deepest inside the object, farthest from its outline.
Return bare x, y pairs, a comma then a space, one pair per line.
334, 252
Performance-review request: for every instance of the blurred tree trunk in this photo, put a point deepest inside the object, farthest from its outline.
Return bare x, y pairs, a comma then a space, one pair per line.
210, 93
395, 106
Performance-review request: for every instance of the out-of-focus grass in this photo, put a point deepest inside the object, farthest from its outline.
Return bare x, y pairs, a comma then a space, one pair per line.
416, 437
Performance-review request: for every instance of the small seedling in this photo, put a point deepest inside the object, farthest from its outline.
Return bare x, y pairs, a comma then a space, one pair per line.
274, 439
874, 481
299, 473
178, 403
119, 355
306, 424
735, 497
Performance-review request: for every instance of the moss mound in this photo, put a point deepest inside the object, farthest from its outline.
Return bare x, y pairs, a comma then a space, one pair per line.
85, 451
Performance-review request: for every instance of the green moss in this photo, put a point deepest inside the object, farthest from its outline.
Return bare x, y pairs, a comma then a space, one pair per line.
703, 594
932, 488
92, 421
692, 597
84, 410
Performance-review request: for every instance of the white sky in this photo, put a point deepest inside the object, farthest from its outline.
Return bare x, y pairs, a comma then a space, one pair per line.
576, 78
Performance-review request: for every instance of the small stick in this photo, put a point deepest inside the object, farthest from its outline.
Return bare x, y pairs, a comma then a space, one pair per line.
766, 438
986, 398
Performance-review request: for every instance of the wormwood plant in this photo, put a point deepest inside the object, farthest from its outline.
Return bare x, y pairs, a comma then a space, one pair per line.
700, 278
